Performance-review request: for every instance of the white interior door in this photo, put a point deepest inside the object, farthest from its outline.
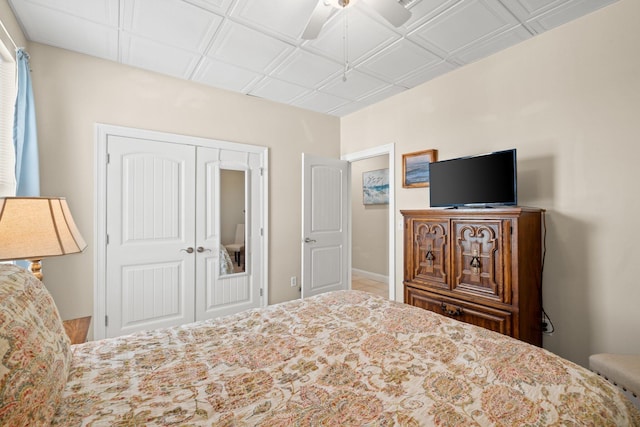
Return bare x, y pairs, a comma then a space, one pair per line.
324, 225
150, 228
219, 294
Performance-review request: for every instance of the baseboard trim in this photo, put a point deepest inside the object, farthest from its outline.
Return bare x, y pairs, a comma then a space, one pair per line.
369, 275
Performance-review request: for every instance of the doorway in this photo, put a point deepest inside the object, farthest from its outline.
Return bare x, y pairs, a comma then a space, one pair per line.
370, 218
323, 180
360, 265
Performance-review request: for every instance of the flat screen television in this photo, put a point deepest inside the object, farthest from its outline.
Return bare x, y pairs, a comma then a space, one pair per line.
484, 180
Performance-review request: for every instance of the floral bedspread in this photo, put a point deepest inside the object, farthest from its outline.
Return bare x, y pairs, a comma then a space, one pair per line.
339, 359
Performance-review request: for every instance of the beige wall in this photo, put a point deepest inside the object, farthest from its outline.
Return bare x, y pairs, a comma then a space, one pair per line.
73, 92
569, 101
370, 223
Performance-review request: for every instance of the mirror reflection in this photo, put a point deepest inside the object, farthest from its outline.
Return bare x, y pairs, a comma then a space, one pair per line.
232, 221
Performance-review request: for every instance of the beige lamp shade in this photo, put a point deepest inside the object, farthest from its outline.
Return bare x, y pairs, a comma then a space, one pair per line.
37, 227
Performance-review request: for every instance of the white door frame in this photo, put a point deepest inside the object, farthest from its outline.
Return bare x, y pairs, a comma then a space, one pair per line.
102, 131
381, 150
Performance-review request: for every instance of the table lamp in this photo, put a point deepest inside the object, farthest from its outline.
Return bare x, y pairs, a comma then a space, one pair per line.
33, 228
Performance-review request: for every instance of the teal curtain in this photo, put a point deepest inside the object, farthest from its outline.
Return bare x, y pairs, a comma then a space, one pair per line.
25, 137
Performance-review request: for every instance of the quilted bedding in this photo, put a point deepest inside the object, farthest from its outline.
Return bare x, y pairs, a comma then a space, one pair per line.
338, 359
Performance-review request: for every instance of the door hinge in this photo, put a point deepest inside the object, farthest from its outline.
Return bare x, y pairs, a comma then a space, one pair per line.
260, 291
108, 158
106, 320
107, 239
261, 171
261, 231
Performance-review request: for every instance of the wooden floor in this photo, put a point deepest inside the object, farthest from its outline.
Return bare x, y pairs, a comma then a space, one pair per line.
361, 283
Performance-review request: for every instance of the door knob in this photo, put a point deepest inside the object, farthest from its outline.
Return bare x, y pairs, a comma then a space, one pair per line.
308, 240
201, 249
188, 250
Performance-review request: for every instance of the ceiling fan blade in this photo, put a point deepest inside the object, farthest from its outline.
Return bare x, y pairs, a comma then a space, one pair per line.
317, 20
390, 10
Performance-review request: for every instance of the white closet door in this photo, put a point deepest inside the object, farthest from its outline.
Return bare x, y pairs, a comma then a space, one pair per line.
222, 294
150, 228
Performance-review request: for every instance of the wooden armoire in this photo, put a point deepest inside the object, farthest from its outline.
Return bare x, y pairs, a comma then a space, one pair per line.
480, 266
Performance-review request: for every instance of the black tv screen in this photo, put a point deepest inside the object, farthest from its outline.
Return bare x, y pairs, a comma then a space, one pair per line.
482, 180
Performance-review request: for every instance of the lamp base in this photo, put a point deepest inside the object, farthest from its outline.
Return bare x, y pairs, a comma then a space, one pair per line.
36, 268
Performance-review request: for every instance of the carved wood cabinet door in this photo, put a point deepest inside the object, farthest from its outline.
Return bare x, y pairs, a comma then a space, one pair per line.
431, 254
481, 258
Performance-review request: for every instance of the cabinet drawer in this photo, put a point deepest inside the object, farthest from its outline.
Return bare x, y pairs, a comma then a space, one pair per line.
486, 317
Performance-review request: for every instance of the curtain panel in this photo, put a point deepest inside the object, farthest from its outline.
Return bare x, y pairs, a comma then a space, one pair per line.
25, 136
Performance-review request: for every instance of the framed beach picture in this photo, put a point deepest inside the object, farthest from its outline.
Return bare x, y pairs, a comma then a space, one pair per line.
415, 168
375, 187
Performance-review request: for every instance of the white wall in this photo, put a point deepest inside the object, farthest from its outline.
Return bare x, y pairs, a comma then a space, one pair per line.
569, 101
73, 92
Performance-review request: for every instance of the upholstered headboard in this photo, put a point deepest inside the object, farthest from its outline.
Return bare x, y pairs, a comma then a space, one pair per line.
35, 352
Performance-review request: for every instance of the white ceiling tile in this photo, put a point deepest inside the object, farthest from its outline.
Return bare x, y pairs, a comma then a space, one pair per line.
423, 11
219, 74
99, 11
54, 28
320, 102
364, 35
464, 24
492, 45
248, 48
357, 85
565, 13
527, 9
307, 69
399, 60
218, 6
428, 74
278, 90
150, 55
173, 22
283, 18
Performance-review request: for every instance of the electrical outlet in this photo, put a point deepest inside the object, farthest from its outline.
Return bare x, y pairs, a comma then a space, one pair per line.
294, 281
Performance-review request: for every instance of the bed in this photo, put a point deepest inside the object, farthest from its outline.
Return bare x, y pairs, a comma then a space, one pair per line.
337, 359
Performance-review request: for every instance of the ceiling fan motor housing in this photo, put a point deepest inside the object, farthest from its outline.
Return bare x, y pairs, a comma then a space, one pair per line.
340, 4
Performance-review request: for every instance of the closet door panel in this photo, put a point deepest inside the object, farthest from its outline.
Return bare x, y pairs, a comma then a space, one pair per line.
223, 288
150, 269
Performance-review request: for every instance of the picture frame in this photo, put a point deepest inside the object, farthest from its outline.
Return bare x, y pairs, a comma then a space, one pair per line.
375, 187
415, 168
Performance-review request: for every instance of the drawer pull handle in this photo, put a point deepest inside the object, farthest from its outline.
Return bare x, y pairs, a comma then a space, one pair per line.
475, 262
430, 256
451, 310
